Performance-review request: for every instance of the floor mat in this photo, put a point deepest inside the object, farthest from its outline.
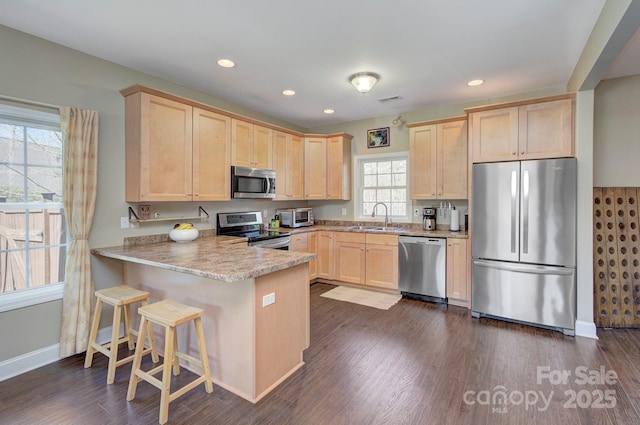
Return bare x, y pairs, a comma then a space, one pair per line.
363, 297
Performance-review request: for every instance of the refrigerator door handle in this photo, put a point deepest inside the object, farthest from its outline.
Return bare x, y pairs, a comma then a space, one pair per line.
524, 268
514, 208
525, 212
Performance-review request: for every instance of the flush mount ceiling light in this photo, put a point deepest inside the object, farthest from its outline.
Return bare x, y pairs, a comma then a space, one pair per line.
328, 111
475, 83
364, 81
288, 92
226, 63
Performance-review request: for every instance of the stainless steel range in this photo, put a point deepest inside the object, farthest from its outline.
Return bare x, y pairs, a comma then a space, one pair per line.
248, 225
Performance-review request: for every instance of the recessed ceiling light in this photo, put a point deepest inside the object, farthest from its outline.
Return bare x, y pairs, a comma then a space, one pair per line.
475, 83
226, 63
288, 92
328, 111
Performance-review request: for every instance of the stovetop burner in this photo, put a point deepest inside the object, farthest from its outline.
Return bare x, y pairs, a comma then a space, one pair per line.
245, 224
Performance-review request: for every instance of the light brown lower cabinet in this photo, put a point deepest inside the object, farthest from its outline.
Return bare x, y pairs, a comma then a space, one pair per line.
366, 259
299, 242
312, 246
382, 261
457, 264
325, 250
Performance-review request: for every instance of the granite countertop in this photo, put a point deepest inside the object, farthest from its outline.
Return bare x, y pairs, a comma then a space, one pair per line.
214, 257
407, 230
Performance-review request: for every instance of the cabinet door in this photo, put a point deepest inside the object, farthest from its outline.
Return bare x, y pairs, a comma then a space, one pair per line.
349, 257
315, 168
280, 164
382, 266
452, 160
422, 160
299, 242
325, 255
313, 247
211, 156
457, 271
262, 147
382, 261
494, 135
241, 142
339, 168
295, 167
546, 130
165, 151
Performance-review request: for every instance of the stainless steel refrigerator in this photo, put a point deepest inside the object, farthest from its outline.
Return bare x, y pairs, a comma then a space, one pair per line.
524, 242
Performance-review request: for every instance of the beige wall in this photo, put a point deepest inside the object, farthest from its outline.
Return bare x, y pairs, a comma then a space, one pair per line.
616, 149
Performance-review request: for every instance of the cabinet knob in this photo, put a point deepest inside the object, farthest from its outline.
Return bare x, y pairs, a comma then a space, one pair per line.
513, 153
522, 153
188, 194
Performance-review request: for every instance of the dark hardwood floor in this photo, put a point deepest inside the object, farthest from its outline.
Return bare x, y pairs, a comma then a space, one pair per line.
417, 363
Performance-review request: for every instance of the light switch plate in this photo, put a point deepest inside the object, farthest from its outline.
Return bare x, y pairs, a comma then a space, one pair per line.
124, 222
344, 211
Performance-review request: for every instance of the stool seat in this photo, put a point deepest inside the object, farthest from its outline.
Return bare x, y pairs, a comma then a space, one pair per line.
121, 295
169, 314
120, 298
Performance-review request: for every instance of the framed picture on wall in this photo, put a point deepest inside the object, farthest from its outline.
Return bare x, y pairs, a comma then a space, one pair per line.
378, 137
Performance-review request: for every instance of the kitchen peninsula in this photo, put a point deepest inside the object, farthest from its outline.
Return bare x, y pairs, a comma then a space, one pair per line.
253, 344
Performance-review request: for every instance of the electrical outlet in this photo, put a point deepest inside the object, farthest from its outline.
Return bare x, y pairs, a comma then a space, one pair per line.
265, 214
124, 222
344, 211
416, 212
268, 299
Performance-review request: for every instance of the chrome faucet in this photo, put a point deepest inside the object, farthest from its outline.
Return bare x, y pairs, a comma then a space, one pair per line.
386, 213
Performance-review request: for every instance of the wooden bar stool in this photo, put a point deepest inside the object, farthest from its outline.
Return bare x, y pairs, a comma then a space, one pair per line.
169, 314
120, 297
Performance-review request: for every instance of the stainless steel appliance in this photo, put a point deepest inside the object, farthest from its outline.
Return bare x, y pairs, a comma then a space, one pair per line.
296, 217
429, 218
252, 183
524, 242
248, 225
422, 266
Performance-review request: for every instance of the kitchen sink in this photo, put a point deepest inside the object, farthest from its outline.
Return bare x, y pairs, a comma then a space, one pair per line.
377, 228
365, 228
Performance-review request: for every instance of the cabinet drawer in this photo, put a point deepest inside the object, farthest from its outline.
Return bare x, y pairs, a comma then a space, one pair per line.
377, 239
349, 237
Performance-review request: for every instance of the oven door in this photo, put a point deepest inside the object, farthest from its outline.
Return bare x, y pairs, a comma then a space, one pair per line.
252, 183
273, 243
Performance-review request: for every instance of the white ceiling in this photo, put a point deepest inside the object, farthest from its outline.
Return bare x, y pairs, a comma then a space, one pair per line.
424, 50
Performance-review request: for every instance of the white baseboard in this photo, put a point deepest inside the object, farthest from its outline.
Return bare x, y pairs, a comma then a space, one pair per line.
35, 359
586, 329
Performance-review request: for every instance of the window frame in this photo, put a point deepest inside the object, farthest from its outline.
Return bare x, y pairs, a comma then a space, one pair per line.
358, 180
27, 117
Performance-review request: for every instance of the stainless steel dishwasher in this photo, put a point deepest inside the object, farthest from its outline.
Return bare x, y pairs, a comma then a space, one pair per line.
422, 266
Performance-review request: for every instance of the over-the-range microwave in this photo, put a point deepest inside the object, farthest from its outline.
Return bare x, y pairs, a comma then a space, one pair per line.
295, 217
252, 183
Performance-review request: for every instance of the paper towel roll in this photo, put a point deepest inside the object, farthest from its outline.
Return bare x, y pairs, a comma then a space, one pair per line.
455, 221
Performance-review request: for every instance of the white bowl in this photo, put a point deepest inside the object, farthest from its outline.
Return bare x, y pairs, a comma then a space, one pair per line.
183, 235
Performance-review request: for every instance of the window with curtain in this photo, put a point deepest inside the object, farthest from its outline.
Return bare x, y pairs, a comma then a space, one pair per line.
33, 233
382, 178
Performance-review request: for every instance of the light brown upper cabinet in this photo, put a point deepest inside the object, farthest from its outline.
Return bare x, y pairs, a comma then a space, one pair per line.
174, 151
327, 166
288, 162
535, 129
438, 159
252, 145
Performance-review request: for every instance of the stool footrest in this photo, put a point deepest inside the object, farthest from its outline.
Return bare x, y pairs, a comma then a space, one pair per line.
191, 385
189, 359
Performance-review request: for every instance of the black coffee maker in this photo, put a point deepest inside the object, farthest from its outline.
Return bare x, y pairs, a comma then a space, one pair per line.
429, 218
